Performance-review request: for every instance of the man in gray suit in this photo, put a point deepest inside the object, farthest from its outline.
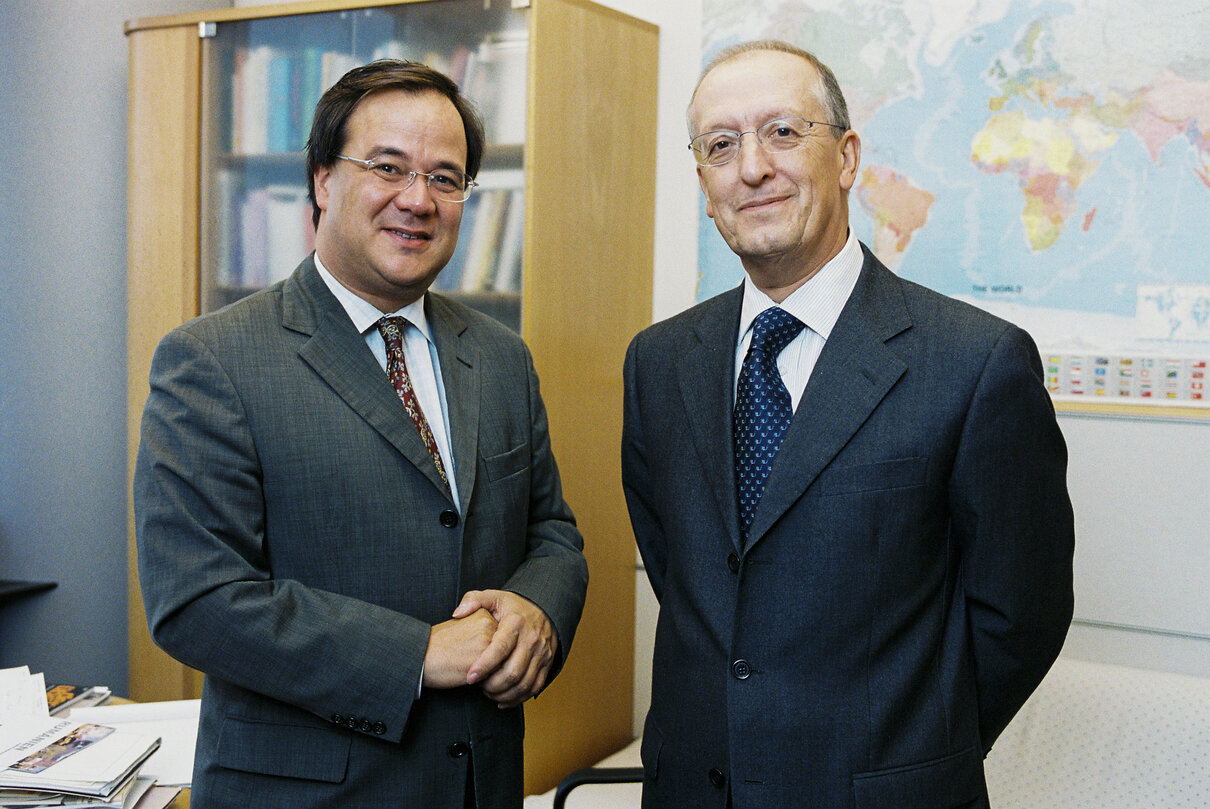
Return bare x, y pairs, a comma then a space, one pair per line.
354, 524
849, 491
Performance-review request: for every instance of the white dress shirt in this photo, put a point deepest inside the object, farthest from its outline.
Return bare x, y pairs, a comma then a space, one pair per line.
419, 352
817, 303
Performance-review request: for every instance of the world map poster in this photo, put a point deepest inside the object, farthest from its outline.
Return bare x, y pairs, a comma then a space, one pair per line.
1047, 161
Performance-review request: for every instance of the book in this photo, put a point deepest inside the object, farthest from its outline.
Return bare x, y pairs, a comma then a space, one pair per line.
484, 244
512, 245
60, 698
287, 222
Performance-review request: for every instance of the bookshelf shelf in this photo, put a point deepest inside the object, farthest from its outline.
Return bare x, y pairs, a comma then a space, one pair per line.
573, 275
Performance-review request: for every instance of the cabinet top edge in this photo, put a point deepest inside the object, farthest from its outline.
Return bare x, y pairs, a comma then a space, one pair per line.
320, 6
256, 12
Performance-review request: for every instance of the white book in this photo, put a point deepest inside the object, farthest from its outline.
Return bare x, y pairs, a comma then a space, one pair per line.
287, 211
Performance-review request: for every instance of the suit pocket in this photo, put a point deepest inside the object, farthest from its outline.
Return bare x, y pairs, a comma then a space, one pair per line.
900, 473
289, 751
944, 783
508, 463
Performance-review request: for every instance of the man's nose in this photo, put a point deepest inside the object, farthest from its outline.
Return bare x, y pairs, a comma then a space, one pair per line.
415, 196
754, 162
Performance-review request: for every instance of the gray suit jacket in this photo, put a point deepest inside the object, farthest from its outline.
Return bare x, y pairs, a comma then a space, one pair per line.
907, 581
296, 544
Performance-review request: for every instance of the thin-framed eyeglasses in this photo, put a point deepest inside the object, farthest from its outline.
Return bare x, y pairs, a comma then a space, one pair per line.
720, 146
447, 185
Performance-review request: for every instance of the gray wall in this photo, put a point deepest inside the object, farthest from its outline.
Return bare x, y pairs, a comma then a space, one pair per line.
63, 499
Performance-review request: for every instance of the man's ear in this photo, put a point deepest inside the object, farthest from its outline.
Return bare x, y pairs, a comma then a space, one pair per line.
321, 178
702, 182
850, 157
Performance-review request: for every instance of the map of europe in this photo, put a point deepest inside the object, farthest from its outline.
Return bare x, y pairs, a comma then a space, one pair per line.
1048, 161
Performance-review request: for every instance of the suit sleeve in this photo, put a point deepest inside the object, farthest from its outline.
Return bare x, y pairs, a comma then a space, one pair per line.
636, 477
1013, 519
554, 574
205, 571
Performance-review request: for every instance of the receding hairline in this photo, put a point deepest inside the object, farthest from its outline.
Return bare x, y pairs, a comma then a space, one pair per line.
826, 86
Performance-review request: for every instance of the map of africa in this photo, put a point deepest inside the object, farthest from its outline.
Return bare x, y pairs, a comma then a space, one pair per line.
1047, 161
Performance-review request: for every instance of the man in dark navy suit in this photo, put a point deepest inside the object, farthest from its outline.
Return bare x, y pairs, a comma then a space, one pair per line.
849, 491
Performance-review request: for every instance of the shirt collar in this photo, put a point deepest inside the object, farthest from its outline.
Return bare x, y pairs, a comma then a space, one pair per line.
818, 302
365, 314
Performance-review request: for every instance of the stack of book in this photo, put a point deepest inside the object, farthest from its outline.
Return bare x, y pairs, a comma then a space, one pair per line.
50, 760
274, 90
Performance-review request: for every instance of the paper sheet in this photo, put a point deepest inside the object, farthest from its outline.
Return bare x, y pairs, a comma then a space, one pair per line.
175, 722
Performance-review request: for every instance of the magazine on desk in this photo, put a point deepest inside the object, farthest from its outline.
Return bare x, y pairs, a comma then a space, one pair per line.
137, 793
55, 755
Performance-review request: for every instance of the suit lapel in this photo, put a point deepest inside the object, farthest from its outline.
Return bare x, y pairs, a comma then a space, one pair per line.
855, 371
339, 355
706, 376
459, 358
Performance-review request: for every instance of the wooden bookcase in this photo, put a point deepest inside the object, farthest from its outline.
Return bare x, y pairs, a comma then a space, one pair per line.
588, 163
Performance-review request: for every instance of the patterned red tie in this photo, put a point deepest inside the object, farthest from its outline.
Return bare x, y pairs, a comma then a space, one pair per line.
391, 329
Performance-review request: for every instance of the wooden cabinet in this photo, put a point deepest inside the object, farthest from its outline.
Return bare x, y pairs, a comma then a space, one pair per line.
575, 146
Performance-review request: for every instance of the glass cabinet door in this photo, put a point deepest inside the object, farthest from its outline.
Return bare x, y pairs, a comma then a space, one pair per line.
261, 81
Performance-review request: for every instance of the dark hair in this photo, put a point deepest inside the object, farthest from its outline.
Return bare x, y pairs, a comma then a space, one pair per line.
830, 96
338, 104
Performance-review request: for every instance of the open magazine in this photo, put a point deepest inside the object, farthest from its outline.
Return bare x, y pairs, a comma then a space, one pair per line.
54, 755
79, 761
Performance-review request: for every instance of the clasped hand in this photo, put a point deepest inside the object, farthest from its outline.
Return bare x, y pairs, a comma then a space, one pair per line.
499, 640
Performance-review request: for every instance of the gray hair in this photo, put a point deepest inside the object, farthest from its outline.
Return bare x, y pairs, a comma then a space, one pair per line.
829, 94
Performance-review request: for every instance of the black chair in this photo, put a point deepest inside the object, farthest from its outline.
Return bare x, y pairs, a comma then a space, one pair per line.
595, 775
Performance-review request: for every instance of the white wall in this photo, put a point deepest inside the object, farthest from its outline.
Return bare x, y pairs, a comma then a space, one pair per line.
1142, 541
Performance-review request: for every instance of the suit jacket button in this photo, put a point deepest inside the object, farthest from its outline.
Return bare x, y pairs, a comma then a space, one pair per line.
380, 728
733, 563
449, 518
741, 670
458, 749
366, 726
717, 778
337, 719
351, 722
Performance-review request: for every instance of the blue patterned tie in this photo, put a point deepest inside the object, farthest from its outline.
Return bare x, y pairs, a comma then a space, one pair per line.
762, 408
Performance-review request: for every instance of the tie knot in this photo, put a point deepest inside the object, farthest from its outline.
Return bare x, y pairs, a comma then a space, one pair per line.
773, 329
391, 329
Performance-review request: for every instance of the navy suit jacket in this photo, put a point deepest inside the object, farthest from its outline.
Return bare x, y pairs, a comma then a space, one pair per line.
296, 543
907, 581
